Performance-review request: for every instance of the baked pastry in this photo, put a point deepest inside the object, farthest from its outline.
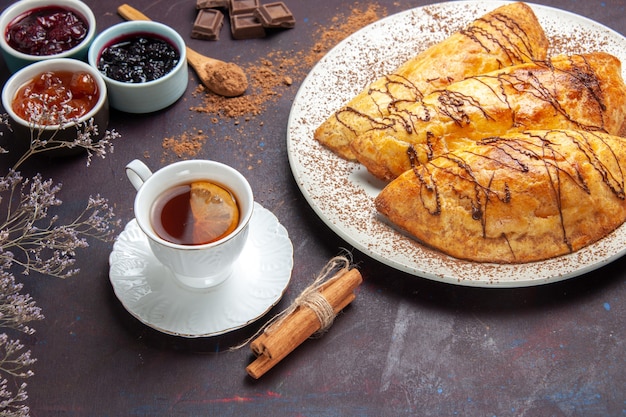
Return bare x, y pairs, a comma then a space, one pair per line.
506, 36
583, 92
514, 198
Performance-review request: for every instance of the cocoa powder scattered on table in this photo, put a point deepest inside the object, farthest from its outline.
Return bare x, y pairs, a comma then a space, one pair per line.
188, 144
341, 27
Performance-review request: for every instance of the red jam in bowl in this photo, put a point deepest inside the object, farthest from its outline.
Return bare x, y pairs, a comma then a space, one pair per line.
56, 97
46, 31
138, 58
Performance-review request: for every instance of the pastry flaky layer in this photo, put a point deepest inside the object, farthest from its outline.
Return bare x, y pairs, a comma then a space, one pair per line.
507, 36
584, 92
513, 198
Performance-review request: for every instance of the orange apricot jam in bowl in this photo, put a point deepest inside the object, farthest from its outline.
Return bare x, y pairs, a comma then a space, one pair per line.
55, 97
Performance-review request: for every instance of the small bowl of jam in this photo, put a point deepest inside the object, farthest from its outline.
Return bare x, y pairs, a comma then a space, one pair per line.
144, 65
49, 99
37, 30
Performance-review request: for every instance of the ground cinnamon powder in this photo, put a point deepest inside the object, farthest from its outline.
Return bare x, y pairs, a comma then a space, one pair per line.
268, 80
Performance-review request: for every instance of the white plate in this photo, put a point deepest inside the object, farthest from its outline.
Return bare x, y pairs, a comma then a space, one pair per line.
342, 192
148, 291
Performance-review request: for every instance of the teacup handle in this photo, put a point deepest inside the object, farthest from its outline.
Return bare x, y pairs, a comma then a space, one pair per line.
138, 173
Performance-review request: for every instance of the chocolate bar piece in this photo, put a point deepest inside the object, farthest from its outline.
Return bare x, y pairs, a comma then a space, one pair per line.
275, 15
246, 26
208, 24
212, 4
243, 6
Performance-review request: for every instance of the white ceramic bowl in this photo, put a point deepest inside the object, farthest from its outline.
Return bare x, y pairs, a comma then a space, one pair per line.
23, 129
148, 96
15, 59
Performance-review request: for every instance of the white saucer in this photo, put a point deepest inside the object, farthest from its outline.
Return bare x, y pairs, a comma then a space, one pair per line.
149, 292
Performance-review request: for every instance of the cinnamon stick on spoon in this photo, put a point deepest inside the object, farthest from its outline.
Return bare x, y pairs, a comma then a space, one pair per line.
223, 78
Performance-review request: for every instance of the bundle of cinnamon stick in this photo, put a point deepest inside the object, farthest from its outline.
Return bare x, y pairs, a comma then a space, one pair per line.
283, 336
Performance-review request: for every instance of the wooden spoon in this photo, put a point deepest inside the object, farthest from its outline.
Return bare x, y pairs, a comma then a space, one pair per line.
223, 78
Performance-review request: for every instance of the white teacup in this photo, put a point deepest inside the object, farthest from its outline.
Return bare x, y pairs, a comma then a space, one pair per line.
194, 266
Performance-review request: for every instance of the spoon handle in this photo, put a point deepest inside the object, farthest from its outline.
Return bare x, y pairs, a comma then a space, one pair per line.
128, 12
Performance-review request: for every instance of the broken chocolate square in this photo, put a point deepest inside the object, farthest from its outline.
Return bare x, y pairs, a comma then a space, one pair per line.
208, 24
243, 6
275, 15
246, 26
212, 4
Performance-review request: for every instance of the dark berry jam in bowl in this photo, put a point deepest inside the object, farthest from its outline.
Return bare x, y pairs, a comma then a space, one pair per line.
49, 98
138, 58
144, 64
37, 30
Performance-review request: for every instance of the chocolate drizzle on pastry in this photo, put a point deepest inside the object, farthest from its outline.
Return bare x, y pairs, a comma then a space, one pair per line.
584, 92
518, 197
502, 30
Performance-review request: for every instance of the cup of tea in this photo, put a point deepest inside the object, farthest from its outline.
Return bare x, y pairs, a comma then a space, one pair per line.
196, 215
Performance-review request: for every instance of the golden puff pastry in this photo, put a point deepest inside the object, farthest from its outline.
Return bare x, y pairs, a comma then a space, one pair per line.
583, 92
506, 36
520, 197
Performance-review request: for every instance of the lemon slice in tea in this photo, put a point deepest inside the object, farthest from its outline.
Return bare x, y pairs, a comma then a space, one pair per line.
214, 210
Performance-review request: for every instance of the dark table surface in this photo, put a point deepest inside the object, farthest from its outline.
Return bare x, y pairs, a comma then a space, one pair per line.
406, 346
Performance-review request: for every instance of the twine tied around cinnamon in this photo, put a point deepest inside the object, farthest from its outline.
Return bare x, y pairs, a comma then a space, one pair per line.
312, 298
312, 313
